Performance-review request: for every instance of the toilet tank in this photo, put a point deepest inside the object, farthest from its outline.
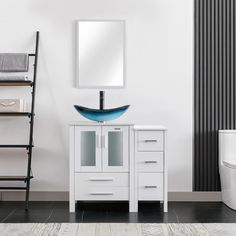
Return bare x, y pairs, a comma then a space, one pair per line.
227, 145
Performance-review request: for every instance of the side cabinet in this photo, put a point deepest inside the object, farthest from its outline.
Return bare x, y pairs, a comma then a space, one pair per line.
150, 164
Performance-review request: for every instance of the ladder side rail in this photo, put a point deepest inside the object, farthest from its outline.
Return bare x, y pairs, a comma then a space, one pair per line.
32, 122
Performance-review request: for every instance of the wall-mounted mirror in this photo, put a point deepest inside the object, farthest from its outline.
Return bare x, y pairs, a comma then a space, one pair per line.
100, 54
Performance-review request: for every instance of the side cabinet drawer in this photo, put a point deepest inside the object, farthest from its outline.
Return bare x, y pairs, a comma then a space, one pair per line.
150, 141
149, 161
150, 186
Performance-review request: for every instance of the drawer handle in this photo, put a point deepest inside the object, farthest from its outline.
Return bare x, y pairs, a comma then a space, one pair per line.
150, 162
97, 193
101, 179
150, 186
150, 141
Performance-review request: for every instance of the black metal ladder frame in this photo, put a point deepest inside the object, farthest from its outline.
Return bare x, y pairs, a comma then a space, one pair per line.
30, 115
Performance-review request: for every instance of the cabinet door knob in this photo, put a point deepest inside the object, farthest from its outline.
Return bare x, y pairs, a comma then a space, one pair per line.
150, 186
150, 162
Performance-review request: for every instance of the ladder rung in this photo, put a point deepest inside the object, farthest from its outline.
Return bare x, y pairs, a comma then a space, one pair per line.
16, 188
15, 114
15, 146
16, 83
14, 178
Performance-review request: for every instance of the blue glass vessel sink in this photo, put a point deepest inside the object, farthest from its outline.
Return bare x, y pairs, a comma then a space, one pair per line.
101, 115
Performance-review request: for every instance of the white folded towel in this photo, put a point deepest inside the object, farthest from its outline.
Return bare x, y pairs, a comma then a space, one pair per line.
13, 77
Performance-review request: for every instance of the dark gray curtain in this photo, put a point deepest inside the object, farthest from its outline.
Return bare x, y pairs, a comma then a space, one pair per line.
214, 86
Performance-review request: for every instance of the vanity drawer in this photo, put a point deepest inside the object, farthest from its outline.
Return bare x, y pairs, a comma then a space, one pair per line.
150, 186
150, 141
101, 179
101, 193
149, 161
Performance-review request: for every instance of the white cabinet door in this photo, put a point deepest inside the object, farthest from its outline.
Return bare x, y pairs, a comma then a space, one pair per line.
88, 149
115, 148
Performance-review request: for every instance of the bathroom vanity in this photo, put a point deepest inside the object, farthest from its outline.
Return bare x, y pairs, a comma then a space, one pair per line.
112, 161
117, 162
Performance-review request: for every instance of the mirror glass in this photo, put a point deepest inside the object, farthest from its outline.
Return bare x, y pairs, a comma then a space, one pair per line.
100, 54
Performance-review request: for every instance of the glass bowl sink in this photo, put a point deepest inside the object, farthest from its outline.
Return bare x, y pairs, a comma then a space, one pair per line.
101, 115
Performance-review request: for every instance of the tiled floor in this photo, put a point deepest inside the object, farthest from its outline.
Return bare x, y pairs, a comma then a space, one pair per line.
179, 212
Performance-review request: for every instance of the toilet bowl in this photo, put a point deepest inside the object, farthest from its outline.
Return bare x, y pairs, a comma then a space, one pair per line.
227, 166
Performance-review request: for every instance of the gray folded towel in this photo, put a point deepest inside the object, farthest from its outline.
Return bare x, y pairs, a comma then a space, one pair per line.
13, 77
14, 62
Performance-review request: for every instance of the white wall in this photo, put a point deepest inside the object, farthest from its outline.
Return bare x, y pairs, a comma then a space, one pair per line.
158, 86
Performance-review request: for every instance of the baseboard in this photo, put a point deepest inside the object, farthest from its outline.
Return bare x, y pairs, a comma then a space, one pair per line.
64, 196
35, 196
194, 196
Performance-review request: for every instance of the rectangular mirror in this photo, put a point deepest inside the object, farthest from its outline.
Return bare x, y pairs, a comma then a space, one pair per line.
100, 54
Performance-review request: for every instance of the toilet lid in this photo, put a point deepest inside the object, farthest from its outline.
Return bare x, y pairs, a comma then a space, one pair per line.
230, 163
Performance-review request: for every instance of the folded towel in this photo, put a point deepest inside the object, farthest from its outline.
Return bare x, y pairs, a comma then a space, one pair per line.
14, 62
13, 77
12, 105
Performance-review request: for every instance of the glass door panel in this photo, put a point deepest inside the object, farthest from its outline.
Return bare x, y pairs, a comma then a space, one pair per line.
88, 149
115, 148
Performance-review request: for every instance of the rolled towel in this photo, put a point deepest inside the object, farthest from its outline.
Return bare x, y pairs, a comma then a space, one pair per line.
13, 77
14, 62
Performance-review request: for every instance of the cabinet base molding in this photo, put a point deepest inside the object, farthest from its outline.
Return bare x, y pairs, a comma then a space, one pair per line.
64, 196
35, 196
194, 197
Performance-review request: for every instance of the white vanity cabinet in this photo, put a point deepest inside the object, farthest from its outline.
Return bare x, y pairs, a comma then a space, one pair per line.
117, 162
99, 162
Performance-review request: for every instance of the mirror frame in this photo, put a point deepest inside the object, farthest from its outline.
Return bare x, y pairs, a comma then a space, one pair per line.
77, 54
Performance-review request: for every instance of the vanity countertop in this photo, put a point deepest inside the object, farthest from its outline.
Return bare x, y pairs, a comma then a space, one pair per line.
81, 123
136, 127
150, 127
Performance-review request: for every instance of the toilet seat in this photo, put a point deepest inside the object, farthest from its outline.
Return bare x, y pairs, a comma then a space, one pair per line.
230, 163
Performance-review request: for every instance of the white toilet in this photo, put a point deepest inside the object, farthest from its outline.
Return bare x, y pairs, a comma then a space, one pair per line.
227, 166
